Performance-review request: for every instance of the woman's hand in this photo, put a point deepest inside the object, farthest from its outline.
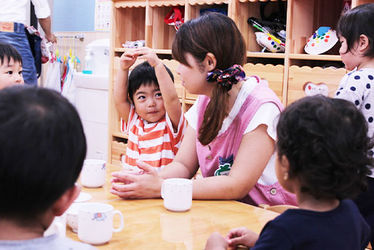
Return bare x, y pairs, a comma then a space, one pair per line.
241, 236
128, 185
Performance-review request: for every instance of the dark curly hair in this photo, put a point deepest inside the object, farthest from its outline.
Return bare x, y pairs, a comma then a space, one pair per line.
325, 141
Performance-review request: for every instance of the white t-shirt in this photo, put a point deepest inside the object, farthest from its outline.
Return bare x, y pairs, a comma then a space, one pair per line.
16, 10
267, 114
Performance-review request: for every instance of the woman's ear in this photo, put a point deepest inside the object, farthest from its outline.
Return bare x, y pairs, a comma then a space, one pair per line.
210, 61
363, 44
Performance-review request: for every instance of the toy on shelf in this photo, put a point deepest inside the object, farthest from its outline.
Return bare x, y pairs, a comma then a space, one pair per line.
311, 89
134, 44
321, 41
273, 41
175, 17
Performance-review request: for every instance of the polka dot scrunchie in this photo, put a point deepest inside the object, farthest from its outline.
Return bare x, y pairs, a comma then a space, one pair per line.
227, 77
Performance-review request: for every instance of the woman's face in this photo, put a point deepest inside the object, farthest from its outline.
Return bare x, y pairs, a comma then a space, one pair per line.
194, 75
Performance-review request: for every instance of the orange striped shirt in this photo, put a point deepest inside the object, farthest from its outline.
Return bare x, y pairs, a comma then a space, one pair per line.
154, 143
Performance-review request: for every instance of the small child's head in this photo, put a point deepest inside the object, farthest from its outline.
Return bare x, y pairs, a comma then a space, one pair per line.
323, 144
202, 45
145, 94
41, 155
10, 66
356, 34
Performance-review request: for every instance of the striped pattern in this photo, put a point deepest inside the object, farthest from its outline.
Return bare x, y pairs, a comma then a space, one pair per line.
153, 143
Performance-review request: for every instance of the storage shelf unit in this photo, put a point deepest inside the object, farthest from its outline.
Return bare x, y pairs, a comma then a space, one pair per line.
286, 72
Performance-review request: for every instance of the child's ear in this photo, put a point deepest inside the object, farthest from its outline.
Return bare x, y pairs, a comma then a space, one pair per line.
63, 203
363, 43
284, 164
210, 61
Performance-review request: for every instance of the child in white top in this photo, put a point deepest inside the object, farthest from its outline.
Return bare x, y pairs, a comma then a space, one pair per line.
356, 36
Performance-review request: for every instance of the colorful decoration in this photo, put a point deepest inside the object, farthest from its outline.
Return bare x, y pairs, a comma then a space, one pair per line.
321, 41
311, 89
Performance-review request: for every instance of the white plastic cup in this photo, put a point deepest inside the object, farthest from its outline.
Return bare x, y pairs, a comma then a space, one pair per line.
95, 222
177, 194
93, 173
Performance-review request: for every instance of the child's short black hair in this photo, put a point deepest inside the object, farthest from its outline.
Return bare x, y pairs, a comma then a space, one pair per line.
42, 148
325, 141
355, 22
9, 52
143, 74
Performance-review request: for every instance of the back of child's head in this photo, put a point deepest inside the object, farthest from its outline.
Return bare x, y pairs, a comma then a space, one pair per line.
219, 35
325, 141
355, 22
8, 52
42, 148
143, 74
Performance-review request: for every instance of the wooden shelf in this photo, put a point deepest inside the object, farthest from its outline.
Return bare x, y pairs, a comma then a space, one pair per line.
129, 4
163, 51
315, 57
265, 55
160, 3
120, 135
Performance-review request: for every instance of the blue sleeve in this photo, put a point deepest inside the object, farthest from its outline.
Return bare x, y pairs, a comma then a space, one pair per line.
273, 237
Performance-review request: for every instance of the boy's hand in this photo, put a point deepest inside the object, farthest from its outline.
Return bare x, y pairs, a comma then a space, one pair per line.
149, 55
127, 59
216, 242
241, 236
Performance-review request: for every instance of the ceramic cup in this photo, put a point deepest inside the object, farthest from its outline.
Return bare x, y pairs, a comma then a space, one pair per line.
93, 173
95, 222
177, 194
72, 216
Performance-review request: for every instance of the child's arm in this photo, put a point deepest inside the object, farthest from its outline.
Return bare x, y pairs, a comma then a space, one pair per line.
120, 94
167, 88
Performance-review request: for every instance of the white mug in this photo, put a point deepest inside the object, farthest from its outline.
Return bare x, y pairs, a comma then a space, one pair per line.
72, 216
177, 194
95, 222
93, 173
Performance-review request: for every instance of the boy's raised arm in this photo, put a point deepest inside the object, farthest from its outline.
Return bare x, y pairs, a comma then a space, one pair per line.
120, 94
167, 88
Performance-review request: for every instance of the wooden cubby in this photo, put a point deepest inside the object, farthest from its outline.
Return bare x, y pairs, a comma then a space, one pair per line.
285, 72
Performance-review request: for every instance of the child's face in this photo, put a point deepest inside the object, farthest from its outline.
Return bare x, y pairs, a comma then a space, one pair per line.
194, 76
148, 103
10, 73
351, 59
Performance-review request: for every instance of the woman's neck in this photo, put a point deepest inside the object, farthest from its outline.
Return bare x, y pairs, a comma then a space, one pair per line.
234, 94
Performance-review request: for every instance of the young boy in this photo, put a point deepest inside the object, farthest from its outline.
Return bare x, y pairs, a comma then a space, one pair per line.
149, 104
10, 66
41, 155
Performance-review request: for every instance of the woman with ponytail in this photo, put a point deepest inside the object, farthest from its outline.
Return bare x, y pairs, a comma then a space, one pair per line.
231, 130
